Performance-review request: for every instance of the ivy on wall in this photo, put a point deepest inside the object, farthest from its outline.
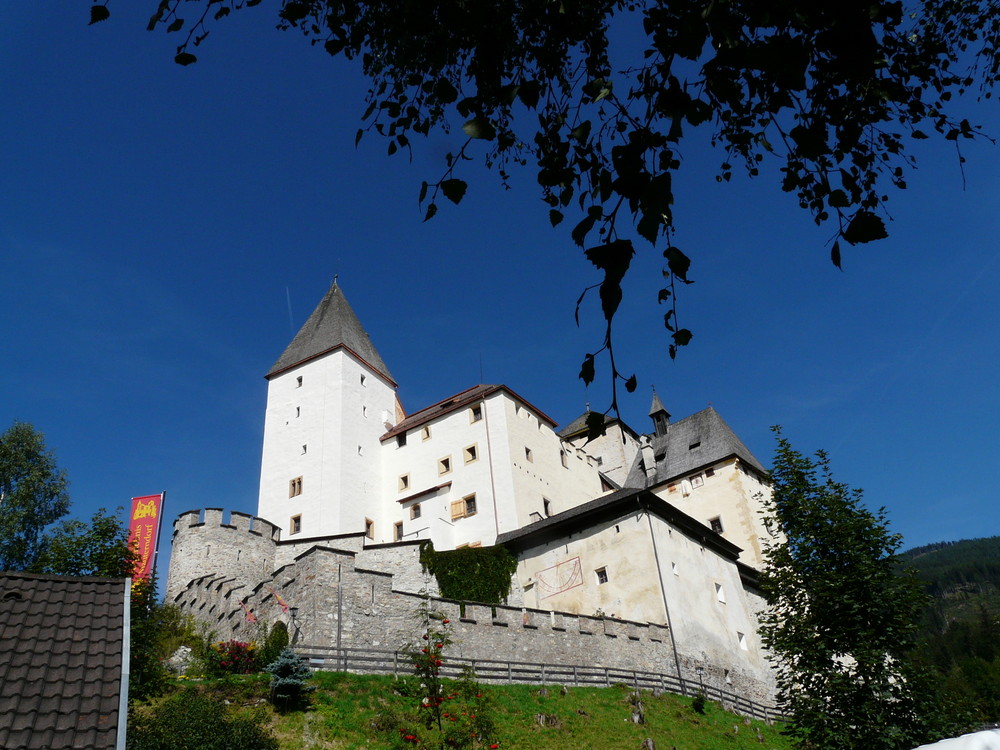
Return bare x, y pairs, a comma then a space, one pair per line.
471, 574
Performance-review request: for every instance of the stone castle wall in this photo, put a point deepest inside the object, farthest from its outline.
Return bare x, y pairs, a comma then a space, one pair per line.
368, 599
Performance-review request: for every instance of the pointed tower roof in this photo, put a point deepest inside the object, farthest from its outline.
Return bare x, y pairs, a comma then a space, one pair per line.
657, 405
331, 326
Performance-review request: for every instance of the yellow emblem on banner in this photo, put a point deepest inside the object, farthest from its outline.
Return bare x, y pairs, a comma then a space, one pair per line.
145, 510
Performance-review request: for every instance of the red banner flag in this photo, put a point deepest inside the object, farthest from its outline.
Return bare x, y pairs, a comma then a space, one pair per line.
144, 523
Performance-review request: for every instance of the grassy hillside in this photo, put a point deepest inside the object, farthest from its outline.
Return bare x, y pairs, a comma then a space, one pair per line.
346, 708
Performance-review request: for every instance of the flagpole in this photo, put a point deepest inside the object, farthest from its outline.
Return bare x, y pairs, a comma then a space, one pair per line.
159, 531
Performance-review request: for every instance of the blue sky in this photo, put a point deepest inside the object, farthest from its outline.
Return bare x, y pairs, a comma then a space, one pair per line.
165, 230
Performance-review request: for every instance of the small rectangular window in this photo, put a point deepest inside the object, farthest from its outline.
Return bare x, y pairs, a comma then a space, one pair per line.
401, 440
369, 528
694, 445
298, 412
364, 412
527, 455
476, 413
716, 524
414, 511
720, 594
425, 433
709, 472
562, 459
298, 382
397, 531
471, 454
697, 481
444, 465
547, 506
404, 482
296, 524
463, 508
602, 575
295, 487
363, 379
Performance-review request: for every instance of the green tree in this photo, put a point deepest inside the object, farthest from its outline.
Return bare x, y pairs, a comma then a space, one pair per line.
599, 97
98, 547
842, 616
32, 495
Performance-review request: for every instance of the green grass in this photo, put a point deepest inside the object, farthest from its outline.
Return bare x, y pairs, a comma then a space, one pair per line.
345, 706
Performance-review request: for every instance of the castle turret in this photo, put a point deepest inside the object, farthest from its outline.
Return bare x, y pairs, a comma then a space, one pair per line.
329, 398
659, 415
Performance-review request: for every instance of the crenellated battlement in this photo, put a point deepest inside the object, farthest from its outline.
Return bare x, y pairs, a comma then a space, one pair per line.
203, 544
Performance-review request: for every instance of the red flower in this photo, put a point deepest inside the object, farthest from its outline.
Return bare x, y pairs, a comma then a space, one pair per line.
445, 622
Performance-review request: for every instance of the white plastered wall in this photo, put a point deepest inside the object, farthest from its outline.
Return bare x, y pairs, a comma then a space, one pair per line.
325, 430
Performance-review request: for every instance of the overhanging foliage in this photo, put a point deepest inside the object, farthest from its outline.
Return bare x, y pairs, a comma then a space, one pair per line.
471, 574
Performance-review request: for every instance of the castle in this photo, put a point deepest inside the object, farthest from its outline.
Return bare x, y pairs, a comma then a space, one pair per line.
651, 541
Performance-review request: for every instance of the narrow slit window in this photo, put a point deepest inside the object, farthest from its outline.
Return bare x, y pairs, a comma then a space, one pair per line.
401, 440
720, 593
295, 526
425, 433
295, 487
370, 528
397, 531
415, 511
298, 382
404, 482
528, 456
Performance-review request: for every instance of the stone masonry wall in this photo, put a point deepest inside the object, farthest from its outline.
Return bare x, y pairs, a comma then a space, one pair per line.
340, 603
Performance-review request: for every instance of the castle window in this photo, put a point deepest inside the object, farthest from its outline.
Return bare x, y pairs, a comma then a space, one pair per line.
397, 531
547, 505
298, 412
296, 525
697, 481
463, 508
295, 487
694, 445
404, 482
475, 413
562, 459
364, 412
602, 575
527, 455
361, 451
304, 448
414, 511
709, 472
471, 454
674, 569
720, 593
742, 638
363, 378
298, 382
425, 433
401, 440
444, 465
370, 528
716, 524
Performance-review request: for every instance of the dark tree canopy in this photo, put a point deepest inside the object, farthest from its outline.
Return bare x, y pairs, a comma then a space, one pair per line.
842, 617
97, 547
32, 495
597, 96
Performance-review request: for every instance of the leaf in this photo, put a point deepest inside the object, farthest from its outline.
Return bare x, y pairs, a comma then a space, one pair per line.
630, 384
99, 13
611, 297
666, 321
479, 127
431, 210
595, 425
423, 191
581, 132
682, 337
454, 190
294, 11
528, 93
865, 227
587, 370
663, 295
919, 134
222, 12
612, 257
838, 199
334, 46
835, 255
580, 231
357, 137
648, 227
185, 58
176, 25
678, 263
444, 91
555, 217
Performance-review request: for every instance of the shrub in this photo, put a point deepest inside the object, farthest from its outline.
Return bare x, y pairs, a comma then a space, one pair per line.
275, 641
698, 704
289, 689
191, 720
231, 657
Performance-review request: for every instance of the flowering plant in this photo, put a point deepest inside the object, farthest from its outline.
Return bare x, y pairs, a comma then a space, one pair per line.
231, 657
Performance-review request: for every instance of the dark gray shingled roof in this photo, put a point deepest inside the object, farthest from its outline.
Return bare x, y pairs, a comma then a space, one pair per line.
61, 651
332, 325
609, 507
675, 455
579, 426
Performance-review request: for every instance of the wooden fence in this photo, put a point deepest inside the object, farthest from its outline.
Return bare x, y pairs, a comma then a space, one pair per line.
397, 663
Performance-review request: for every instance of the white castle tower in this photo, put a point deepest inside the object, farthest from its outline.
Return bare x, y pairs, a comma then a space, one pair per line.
329, 399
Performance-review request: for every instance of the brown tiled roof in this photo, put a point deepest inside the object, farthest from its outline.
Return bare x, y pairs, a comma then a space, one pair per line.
459, 400
61, 646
